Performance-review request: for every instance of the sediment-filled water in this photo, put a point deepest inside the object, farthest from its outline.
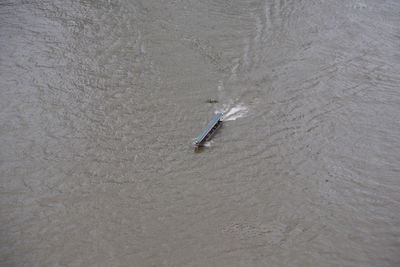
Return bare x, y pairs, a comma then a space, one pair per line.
100, 101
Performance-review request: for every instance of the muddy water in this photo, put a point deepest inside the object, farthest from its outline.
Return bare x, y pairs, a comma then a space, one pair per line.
100, 100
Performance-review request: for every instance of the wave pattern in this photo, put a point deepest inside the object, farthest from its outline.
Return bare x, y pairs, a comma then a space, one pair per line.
100, 100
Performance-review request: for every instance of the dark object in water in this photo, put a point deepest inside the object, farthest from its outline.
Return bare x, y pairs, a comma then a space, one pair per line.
212, 101
209, 131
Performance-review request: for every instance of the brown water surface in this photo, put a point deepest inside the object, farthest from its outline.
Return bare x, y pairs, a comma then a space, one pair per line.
100, 100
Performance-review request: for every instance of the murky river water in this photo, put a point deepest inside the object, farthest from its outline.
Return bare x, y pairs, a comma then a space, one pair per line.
100, 101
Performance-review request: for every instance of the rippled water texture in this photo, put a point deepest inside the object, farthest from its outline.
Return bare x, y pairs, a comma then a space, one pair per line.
100, 100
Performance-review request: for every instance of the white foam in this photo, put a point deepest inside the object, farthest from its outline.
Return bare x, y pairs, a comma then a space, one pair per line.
231, 114
208, 143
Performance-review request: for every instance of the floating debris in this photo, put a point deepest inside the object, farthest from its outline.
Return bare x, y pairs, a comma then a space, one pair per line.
212, 101
209, 131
